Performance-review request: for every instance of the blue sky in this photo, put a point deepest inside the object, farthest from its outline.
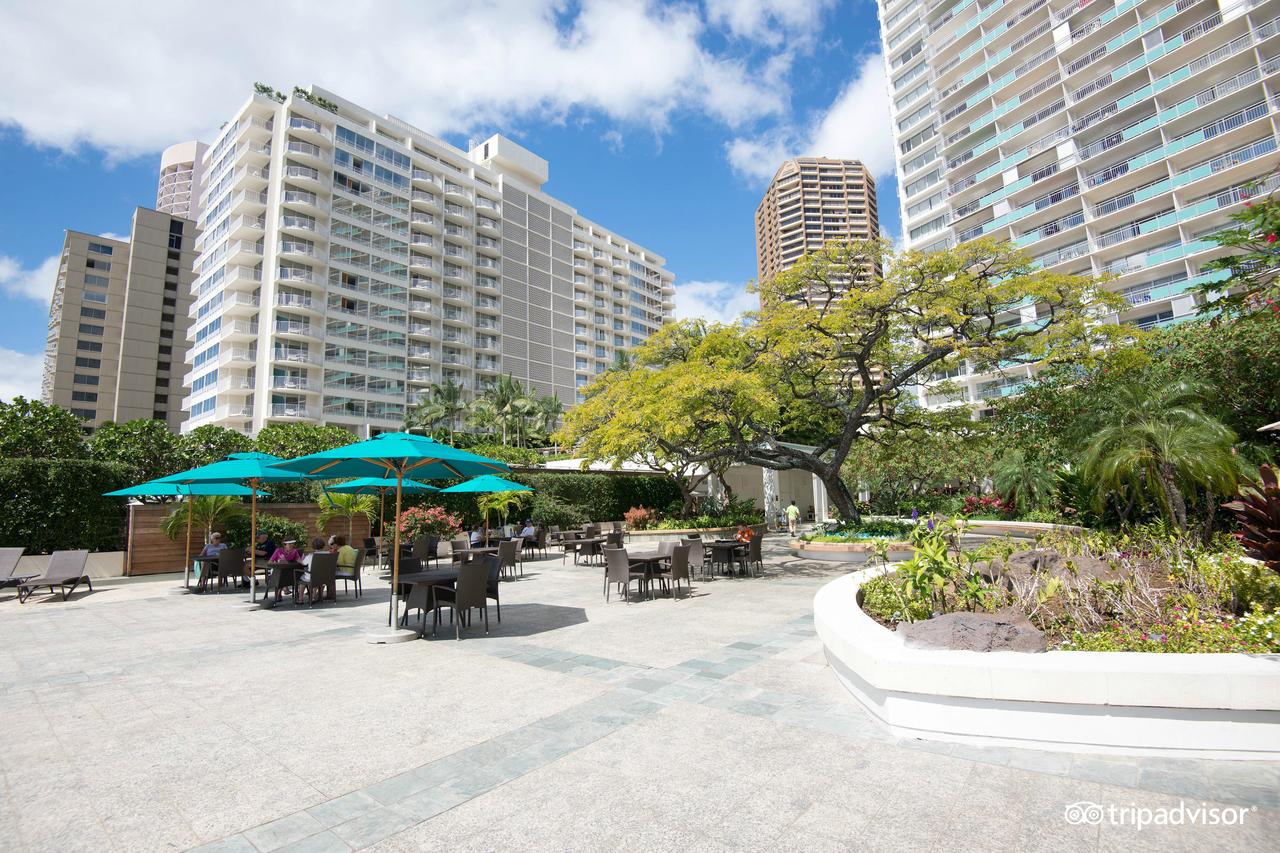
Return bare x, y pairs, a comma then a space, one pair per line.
661, 121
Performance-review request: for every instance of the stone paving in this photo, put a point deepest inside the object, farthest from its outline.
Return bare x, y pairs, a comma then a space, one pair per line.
141, 720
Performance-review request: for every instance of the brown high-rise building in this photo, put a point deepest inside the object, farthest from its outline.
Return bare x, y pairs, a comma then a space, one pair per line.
118, 322
812, 201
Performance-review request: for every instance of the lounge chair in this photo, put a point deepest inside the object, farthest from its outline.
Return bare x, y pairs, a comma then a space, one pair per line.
9, 559
65, 572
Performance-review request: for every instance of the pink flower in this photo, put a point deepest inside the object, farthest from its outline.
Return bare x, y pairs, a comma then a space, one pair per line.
1271, 238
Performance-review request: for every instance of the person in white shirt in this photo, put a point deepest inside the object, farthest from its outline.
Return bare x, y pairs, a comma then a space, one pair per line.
528, 531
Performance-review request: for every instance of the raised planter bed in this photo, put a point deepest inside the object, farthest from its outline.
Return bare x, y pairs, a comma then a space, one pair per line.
856, 552
1209, 705
668, 535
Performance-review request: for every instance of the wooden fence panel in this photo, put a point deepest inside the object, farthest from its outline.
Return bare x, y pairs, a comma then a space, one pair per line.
151, 552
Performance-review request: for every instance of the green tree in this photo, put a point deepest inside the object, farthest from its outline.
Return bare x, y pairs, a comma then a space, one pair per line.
31, 429
439, 412
208, 512
549, 412
1158, 441
1250, 267
1024, 480
208, 444
290, 441
838, 342
146, 446
339, 505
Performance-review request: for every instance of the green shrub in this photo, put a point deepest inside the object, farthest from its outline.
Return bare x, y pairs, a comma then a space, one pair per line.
884, 597
57, 504
1258, 632
521, 456
546, 510
1043, 516
603, 497
279, 528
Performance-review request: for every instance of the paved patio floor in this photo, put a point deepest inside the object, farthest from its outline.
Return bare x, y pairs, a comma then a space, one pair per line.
141, 720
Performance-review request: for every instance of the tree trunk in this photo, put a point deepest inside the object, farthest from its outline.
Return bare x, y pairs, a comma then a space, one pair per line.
1173, 496
728, 490
840, 497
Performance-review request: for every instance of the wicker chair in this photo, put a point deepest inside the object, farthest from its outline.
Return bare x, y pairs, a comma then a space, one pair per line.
323, 571
618, 570
470, 592
351, 574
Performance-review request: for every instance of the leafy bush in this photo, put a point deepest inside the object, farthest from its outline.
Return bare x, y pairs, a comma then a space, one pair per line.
56, 504
869, 528
428, 521
884, 599
521, 456
1043, 516
547, 511
277, 526
987, 505
1258, 632
639, 518
603, 496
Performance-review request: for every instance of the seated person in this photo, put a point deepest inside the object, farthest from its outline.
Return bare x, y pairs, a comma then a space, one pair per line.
265, 547
528, 531
215, 546
743, 533
289, 553
346, 554
477, 535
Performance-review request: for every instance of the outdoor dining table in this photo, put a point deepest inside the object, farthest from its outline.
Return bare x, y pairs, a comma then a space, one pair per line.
728, 551
279, 575
435, 577
652, 562
203, 560
589, 547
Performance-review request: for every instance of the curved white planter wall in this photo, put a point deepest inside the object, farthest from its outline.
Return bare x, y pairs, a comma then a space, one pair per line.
1212, 705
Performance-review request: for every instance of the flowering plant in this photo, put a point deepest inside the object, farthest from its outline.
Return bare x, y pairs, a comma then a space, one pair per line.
987, 504
428, 521
639, 518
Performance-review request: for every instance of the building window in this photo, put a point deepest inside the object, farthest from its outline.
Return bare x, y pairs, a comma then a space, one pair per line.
90, 329
93, 296
95, 280
89, 346
85, 414
166, 350
95, 264
84, 379
93, 313
175, 226
94, 363
100, 248
175, 241
84, 396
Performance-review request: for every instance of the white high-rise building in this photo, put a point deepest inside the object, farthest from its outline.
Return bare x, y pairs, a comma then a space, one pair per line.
178, 190
1104, 137
349, 260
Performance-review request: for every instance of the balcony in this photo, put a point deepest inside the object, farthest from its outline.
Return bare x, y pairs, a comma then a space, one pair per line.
425, 178
294, 300
290, 410
309, 129
454, 192
456, 212
294, 274
302, 250
294, 356
420, 351
424, 222
243, 251
303, 199
485, 225
292, 383
422, 198
305, 150
303, 330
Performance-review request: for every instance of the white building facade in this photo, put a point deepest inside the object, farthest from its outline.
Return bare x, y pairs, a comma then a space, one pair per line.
1105, 137
348, 261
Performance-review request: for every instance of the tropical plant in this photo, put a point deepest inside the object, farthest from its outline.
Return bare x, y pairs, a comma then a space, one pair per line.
639, 517
34, 430
338, 505
210, 443
440, 410
277, 527
1251, 268
1024, 481
501, 503
148, 447
1257, 509
208, 512
1158, 441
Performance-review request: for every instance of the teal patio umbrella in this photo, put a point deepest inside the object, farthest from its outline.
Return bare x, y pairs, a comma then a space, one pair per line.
380, 485
395, 456
485, 484
155, 488
243, 469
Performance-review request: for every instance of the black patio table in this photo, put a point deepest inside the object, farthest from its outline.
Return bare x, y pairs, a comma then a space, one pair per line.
729, 551
652, 562
435, 577
202, 559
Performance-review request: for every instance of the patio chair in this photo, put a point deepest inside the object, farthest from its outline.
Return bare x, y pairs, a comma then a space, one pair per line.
352, 574
519, 540
427, 548
613, 539
618, 570
468, 593
540, 544
508, 550
323, 571
698, 556
9, 559
754, 555
666, 548
493, 581
679, 568
230, 567
370, 547
65, 572
459, 549
554, 536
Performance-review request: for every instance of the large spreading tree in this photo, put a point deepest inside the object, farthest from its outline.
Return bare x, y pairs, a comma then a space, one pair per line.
837, 353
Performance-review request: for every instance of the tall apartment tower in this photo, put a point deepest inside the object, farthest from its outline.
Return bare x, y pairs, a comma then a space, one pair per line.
1103, 137
118, 322
348, 261
178, 190
812, 201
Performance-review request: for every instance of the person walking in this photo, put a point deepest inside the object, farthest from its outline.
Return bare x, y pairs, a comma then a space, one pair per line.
793, 518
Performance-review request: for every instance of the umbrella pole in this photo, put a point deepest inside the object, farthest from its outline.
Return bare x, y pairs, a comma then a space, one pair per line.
253, 541
395, 555
382, 521
186, 563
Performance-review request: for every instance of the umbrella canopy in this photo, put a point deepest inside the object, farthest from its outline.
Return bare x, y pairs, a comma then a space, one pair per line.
486, 483
153, 488
395, 455
244, 469
373, 485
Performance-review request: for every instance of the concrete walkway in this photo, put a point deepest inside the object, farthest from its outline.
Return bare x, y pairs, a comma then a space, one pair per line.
141, 720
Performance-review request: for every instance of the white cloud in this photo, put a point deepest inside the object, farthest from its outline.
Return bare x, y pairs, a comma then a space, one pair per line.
21, 374
855, 126
138, 80
768, 21
21, 283
717, 301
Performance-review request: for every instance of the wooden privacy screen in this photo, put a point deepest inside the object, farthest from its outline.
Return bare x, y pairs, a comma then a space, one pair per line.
150, 552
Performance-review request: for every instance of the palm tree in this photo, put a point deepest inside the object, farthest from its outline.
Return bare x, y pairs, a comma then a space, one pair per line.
207, 512
1023, 481
442, 407
335, 505
549, 411
1159, 441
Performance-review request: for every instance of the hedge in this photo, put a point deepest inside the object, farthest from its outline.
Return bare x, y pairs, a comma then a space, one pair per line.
57, 504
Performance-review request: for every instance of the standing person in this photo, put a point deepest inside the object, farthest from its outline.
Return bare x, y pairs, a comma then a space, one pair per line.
793, 518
